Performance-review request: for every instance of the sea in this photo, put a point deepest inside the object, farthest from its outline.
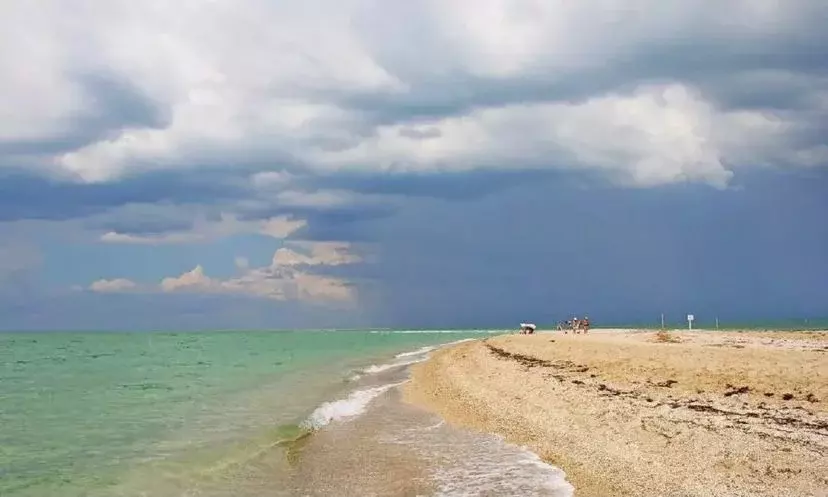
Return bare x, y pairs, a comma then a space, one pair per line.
243, 414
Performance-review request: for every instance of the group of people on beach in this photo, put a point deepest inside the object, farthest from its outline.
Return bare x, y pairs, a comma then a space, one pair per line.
575, 325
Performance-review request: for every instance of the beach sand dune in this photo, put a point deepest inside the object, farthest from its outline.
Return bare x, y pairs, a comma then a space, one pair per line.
627, 413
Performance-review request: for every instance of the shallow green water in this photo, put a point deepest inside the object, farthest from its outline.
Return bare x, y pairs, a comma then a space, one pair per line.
81, 414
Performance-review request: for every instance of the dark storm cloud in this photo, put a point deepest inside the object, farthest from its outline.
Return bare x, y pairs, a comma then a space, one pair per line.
26, 196
701, 54
358, 222
420, 134
735, 77
118, 104
353, 224
438, 185
136, 223
781, 73
617, 255
115, 104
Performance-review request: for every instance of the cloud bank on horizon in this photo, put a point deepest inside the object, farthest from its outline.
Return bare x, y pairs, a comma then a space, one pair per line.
309, 132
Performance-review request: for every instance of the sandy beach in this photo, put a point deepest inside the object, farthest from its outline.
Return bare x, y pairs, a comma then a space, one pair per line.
627, 413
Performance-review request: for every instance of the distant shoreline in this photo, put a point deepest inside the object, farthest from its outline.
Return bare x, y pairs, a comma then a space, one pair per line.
694, 330
636, 412
816, 324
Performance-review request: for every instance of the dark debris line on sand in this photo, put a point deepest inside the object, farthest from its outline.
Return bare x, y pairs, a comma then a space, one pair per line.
532, 362
736, 390
763, 413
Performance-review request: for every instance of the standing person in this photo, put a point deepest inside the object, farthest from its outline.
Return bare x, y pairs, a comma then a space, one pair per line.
586, 324
576, 325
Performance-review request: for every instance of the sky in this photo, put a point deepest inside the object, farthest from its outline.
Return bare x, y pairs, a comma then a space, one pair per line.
205, 164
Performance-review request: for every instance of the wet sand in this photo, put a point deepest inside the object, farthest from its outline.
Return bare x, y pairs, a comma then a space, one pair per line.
627, 413
397, 449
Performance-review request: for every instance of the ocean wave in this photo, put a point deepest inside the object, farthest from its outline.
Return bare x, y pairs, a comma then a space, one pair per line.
355, 404
420, 351
493, 467
375, 369
406, 358
521, 473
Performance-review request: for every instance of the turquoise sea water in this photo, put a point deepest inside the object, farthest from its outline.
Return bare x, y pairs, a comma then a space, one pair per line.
108, 414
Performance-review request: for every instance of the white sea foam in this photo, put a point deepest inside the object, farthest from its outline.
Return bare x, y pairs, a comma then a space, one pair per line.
465, 463
407, 358
374, 369
519, 473
420, 351
355, 404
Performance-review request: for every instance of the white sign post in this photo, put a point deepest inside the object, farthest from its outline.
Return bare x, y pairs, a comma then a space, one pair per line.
690, 319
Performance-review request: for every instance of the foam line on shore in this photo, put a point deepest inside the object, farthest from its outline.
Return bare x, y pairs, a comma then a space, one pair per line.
339, 410
663, 413
357, 401
404, 359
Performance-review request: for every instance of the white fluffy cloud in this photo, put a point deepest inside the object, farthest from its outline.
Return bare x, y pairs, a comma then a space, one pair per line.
319, 254
193, 279
659, 134
285, 278
113, 286
332, 86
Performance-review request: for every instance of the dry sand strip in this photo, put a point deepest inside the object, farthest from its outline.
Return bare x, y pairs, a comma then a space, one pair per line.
648, 414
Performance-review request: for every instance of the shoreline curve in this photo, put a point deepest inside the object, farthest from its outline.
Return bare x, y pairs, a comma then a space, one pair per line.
630, 413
